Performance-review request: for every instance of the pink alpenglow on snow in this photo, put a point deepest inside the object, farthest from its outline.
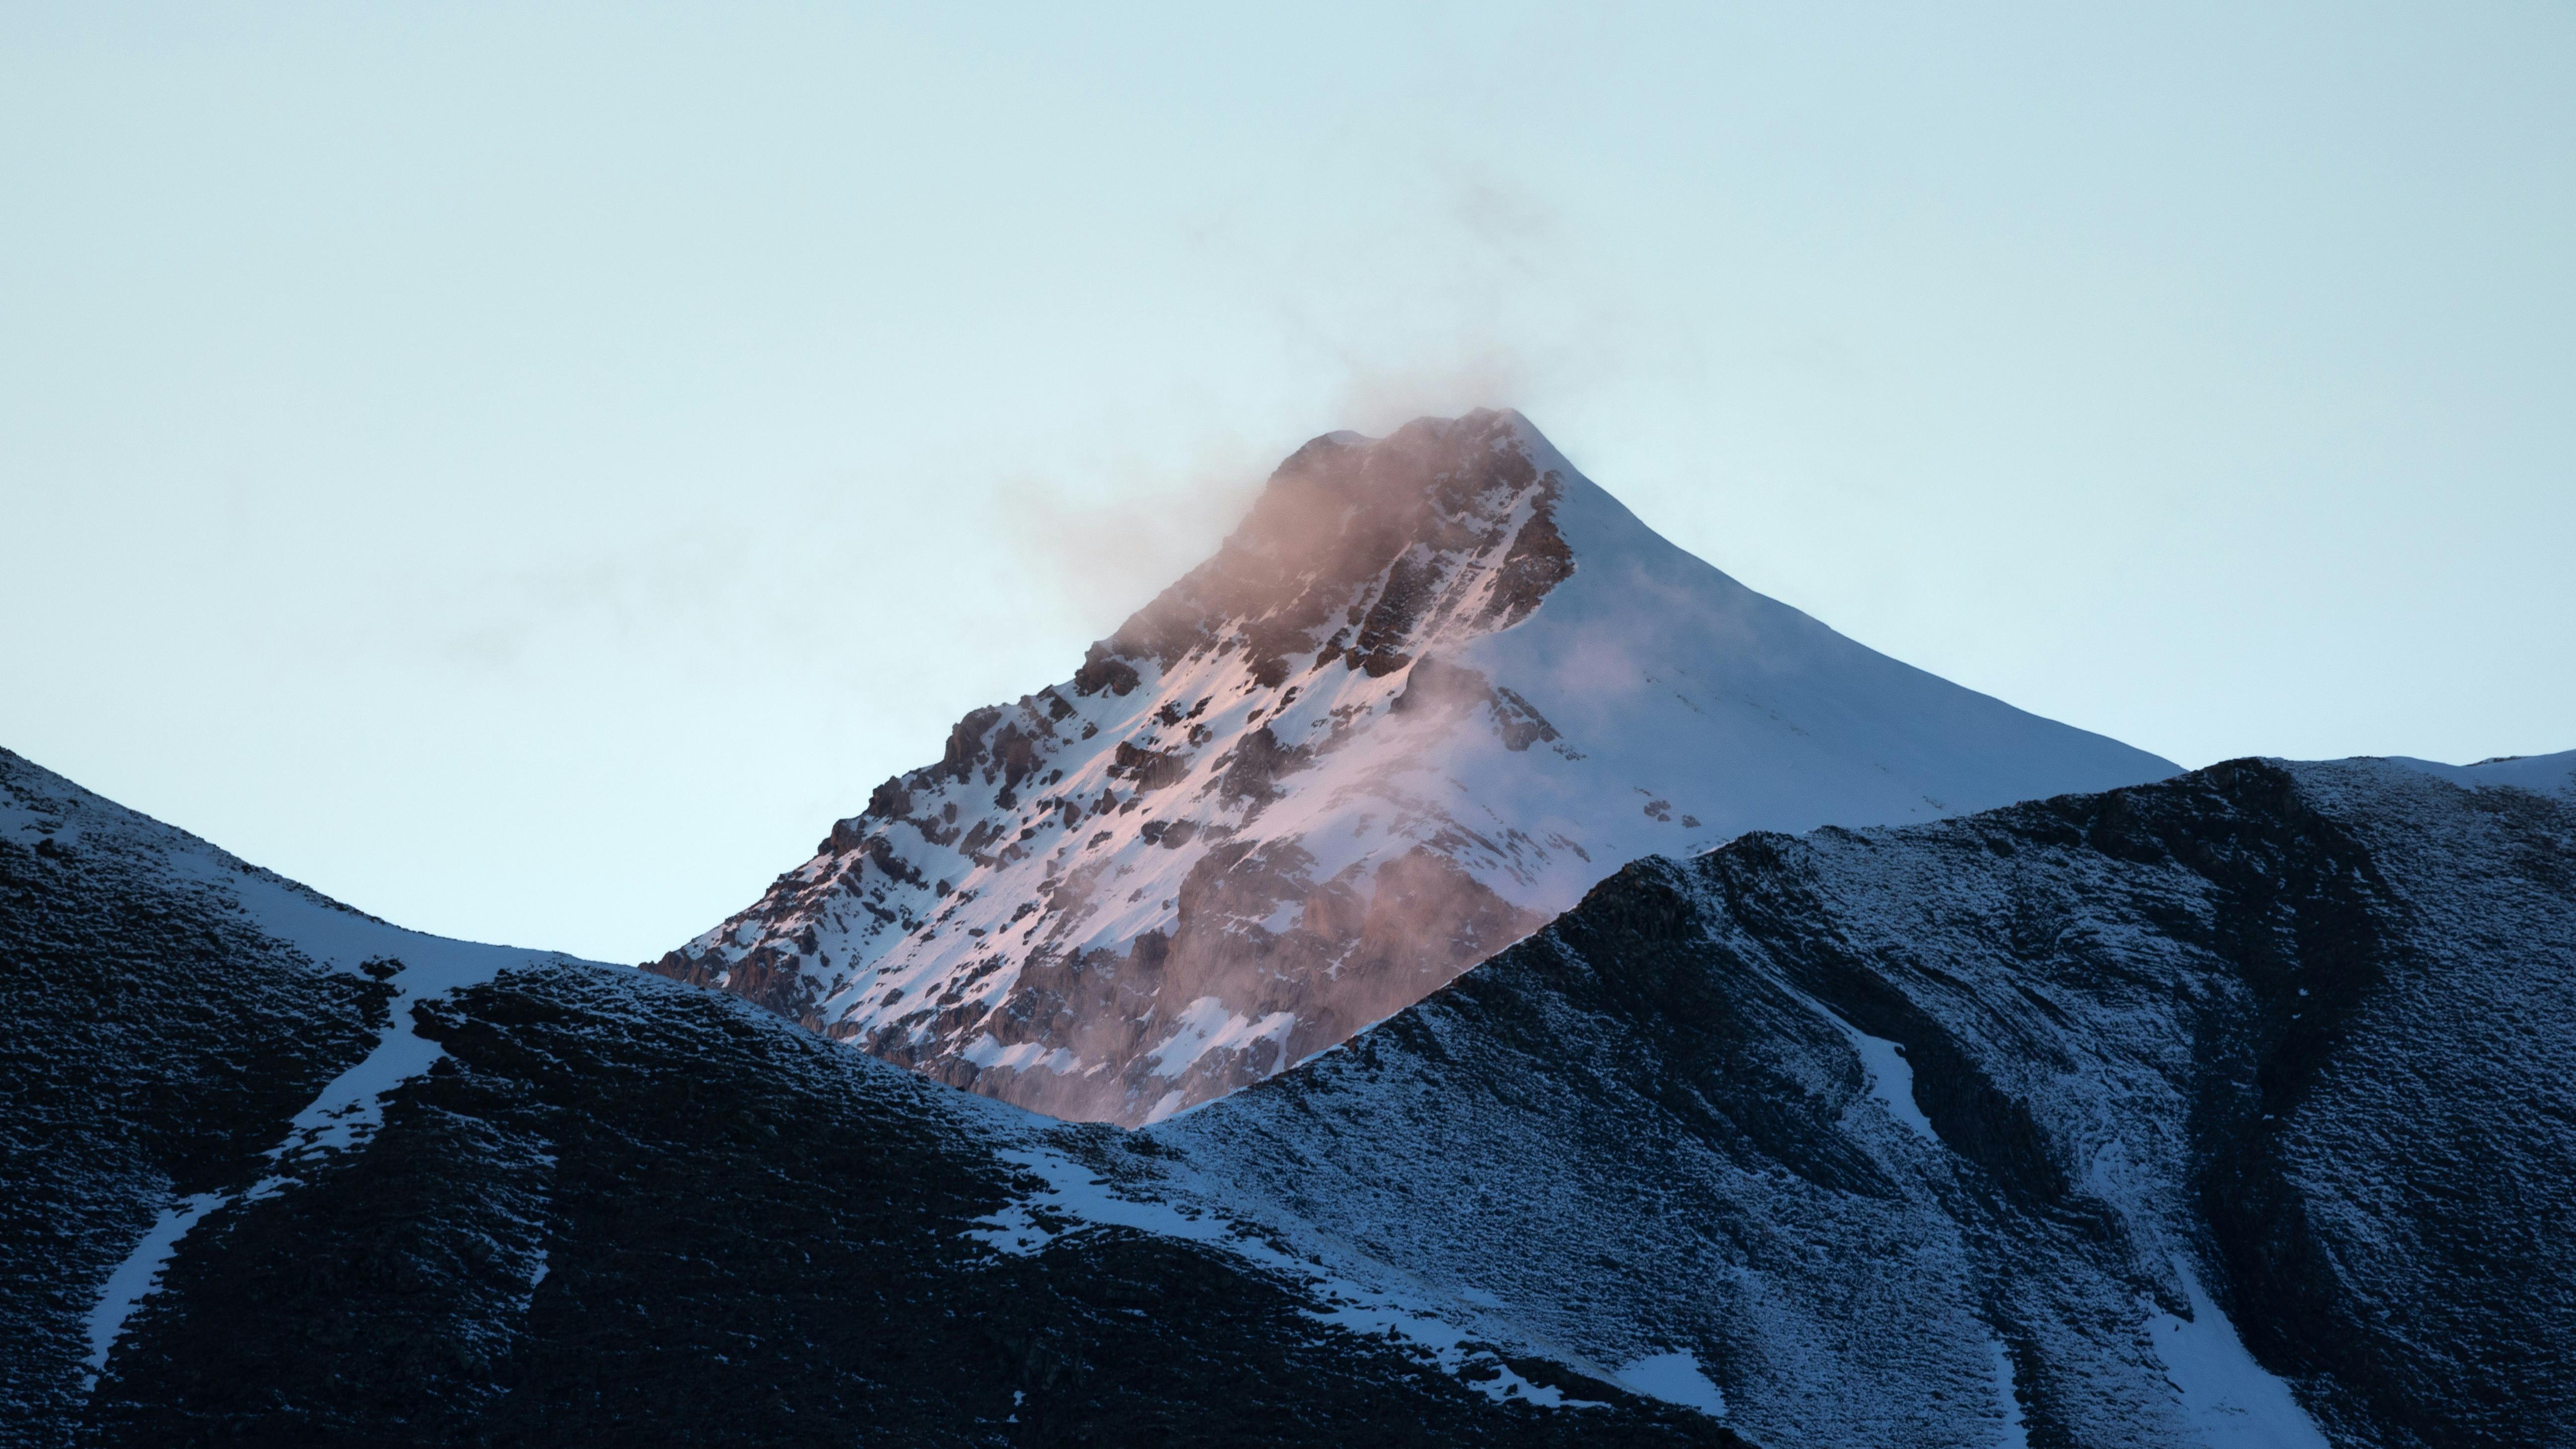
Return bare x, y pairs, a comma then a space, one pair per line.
1435, 687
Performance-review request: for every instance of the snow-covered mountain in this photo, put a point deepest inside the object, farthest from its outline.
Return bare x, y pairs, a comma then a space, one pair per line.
1435, 687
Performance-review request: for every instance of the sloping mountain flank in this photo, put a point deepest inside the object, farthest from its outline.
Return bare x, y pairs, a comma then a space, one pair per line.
1433, 688
2228, 1111
2235, 1110
277, 1173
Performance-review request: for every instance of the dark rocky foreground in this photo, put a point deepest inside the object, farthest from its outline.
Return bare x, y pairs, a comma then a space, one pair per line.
615, 1210
2011, 1129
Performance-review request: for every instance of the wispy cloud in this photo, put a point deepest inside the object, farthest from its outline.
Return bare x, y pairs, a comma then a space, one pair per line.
1107, 540
1467, 293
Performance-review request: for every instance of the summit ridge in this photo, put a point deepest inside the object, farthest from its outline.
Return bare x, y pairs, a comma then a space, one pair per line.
1432, 689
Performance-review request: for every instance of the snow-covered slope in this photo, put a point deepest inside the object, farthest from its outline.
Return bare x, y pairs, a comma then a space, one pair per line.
2230, 1111
1435, 687
2545, 774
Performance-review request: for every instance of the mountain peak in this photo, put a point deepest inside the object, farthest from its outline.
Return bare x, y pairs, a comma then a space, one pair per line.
1434, 687
1363, 551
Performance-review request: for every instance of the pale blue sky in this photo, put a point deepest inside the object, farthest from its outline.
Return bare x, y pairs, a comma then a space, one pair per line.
526, 469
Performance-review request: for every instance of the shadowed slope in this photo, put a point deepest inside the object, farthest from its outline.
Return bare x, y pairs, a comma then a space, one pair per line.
2234, 1105
576, 1204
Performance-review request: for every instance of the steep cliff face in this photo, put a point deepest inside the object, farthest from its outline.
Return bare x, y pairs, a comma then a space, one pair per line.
2232, 1110
1433, 688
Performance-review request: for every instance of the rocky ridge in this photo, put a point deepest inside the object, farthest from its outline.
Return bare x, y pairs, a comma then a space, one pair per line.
275, 1172
2227, 1111
1433, 688
2233, 1110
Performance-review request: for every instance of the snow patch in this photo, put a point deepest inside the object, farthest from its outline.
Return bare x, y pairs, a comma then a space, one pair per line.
2008, 1398
1675, 1378
987, 1051
139, 1276
1075, 1193
1890, 1076
1207, 1026
2232, 1401
1891, 1081
1375, 1315
348, 1110
2541, 774
1011, 1230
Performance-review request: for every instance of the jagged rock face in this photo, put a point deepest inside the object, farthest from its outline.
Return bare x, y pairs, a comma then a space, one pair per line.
1433, 688
2233, 1110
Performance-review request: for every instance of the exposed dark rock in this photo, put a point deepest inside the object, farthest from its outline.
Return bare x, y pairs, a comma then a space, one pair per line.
1434, 685
1150, 769
965, 745
1250, 771
891, 800
1101, 670
1538, 562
